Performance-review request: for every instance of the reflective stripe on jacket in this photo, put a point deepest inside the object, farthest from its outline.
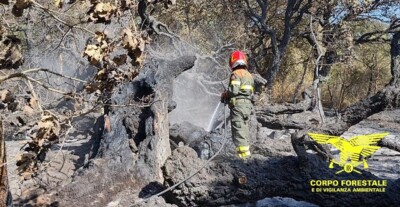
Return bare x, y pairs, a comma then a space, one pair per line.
241, 85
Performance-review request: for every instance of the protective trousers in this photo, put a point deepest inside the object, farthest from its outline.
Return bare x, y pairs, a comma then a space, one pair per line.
240, 115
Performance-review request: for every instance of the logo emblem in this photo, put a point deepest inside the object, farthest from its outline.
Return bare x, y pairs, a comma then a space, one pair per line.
353, 151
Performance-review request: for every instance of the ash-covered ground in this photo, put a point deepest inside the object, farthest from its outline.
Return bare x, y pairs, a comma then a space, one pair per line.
272, 147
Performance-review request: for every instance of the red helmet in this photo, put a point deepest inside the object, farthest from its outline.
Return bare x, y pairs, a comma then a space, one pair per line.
238, 58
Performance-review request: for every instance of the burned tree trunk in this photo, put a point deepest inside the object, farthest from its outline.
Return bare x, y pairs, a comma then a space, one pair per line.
386, 98
131, 154
155, 149
395, 61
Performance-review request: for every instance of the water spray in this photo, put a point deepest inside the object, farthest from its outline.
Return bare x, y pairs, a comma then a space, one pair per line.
211, 124
213, 117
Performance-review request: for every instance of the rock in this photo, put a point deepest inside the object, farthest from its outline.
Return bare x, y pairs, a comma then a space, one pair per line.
155, 202
283, 202
272, 143
186, 132
218, 184
181, 158
383, 163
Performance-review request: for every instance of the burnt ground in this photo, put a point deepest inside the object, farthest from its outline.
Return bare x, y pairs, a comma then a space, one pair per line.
274, 171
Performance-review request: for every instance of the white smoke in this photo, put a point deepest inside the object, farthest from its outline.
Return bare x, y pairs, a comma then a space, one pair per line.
197, 94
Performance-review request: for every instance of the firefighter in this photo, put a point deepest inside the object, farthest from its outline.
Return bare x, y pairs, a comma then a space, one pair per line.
239, 96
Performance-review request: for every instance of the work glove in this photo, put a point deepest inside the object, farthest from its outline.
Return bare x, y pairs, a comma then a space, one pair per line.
224, 97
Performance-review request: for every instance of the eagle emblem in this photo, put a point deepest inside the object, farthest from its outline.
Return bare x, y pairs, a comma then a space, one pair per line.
353, 151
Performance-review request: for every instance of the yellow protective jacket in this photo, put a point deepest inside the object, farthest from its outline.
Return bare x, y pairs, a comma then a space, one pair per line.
241, 85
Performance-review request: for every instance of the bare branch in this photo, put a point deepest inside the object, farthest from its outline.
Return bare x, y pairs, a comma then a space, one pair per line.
50, 12
52, 72
34, 94
24, 76
45, 86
